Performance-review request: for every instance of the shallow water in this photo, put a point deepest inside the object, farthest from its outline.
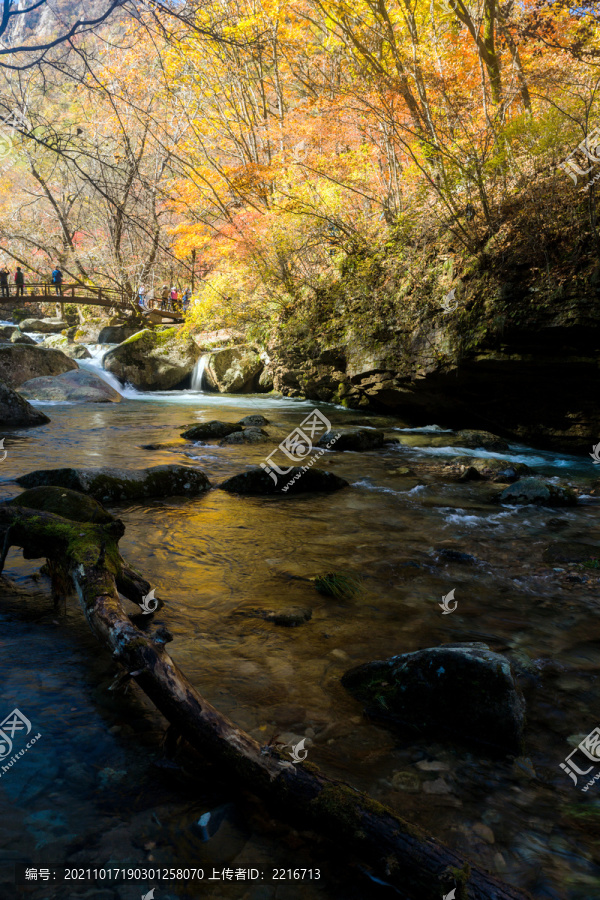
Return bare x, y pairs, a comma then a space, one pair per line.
91, 791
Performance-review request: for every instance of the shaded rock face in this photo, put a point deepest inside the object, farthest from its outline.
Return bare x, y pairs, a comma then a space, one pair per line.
20, 363
15, 410
257, 481
234, 370
531, 375
78, 386
153, 361
43, 326
539, 492
63, 502
209, 431
111, 485
363, 439
463, 690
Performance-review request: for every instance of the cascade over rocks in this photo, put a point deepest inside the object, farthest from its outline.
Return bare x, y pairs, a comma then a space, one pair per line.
15, 410
153, 360
463, 689
20, 363
110, 485
77, 386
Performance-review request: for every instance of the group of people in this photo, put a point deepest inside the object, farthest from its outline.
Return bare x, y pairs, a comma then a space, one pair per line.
169, 299
19, 281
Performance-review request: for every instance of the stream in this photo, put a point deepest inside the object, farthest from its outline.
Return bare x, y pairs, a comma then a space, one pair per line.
96, 791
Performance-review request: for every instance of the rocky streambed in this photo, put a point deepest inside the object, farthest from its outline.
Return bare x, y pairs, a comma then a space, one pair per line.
273, 599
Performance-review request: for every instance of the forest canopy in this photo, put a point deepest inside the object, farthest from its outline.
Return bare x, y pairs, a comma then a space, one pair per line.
248, 148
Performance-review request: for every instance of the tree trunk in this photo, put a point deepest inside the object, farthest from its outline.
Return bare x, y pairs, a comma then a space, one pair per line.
395, 851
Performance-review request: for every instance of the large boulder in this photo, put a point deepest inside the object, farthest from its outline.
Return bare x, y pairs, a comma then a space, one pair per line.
43, 326
78, 386
539, 492
234, 370
61, 342
153, 360
464, 690
109, 485
363, 439
19, 315
296, 481
13, 335
20, 363
116, 334
14, 410
209, 431
63, 502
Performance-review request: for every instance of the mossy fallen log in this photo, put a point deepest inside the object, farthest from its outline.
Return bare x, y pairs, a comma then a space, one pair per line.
394, 851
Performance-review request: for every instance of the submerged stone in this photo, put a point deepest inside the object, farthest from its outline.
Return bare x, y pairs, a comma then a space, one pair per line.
111, 484
296, 481
465, 691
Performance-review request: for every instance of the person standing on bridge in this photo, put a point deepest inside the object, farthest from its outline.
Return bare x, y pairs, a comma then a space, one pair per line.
20, 281
4, 273
164, 296
185, 300
173, 303
57, 280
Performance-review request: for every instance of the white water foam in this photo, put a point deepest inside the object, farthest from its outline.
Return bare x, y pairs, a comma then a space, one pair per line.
425, 429
198, 373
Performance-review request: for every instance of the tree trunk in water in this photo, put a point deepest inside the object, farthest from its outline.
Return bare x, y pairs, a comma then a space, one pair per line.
395, 851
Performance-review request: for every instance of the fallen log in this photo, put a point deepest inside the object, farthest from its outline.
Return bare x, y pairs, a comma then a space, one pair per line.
396, 852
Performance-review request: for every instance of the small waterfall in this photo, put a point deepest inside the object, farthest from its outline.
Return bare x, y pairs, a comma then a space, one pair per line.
198, 373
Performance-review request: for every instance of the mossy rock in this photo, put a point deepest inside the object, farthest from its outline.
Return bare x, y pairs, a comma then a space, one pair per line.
154, 360
209, 431
464, 691
63, 502
538, 492
111, 485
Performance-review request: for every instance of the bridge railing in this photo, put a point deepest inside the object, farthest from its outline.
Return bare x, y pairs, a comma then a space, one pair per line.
65, 292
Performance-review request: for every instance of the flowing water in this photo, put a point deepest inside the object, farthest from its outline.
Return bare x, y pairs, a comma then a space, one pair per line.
95, 789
